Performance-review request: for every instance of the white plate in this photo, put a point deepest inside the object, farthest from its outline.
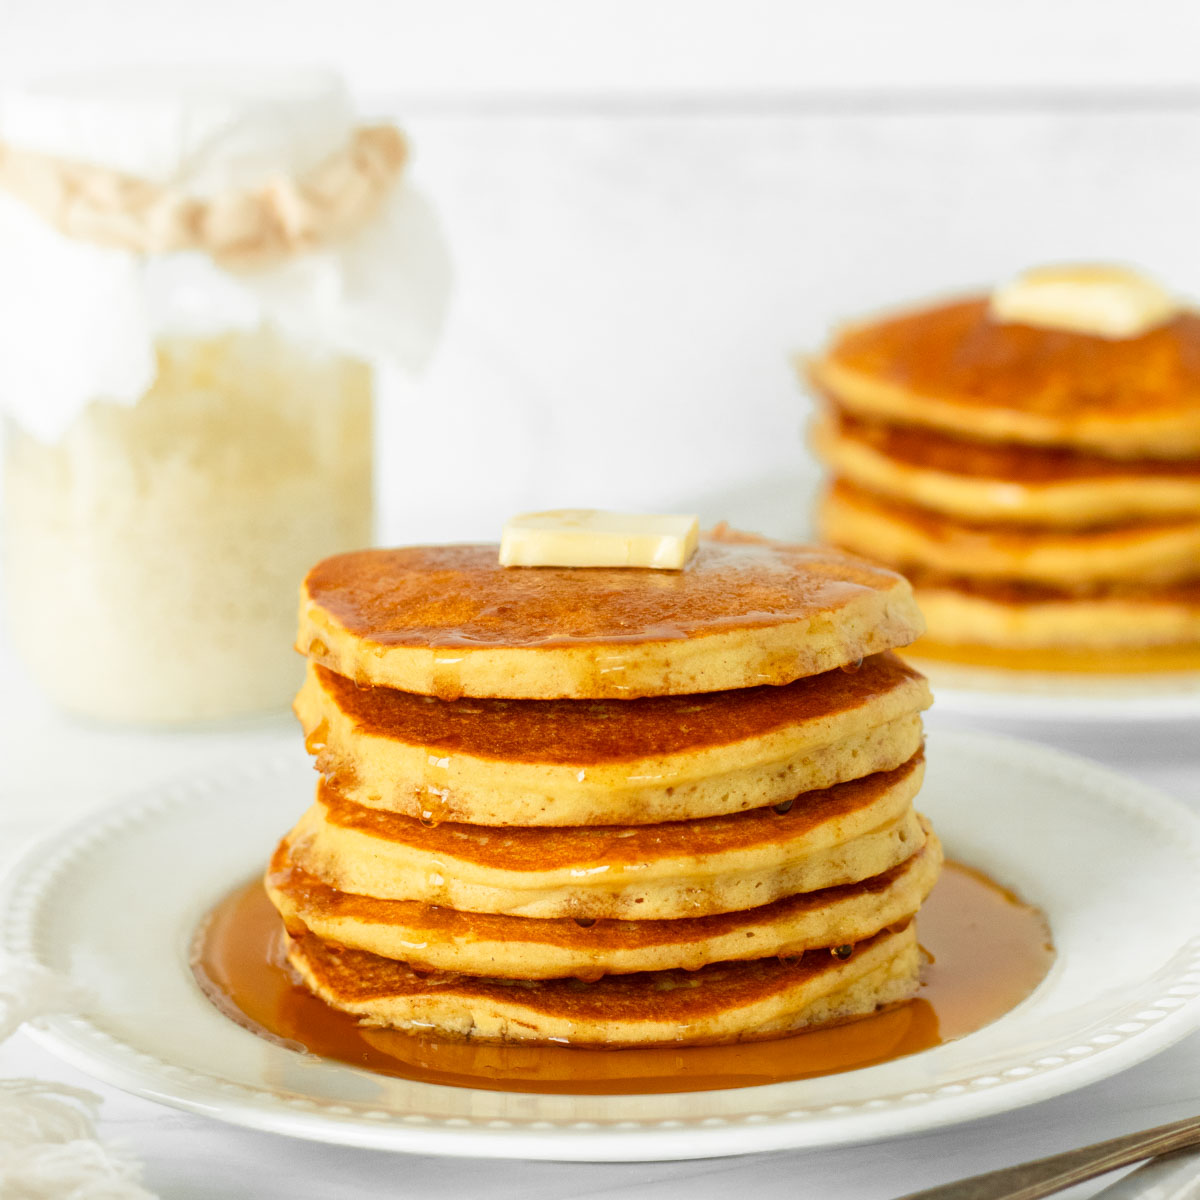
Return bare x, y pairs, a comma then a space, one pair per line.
113, 903
1062, 696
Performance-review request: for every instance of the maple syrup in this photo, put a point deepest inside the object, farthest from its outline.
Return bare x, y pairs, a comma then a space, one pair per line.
314, 741
988, 951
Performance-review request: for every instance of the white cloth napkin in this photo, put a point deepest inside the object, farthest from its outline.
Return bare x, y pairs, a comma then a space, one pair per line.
48, 1145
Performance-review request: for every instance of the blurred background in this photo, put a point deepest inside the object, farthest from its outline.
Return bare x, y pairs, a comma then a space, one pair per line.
652, 206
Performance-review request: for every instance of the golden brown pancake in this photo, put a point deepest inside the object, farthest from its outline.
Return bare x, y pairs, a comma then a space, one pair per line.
1019, 616
723, 1002
952, 367
610, 762
437, 938
1158, 551
977, 481
838, 835
692, 790
449, 621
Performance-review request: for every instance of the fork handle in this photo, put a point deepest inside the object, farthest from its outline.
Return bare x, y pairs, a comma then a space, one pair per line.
1032, 1180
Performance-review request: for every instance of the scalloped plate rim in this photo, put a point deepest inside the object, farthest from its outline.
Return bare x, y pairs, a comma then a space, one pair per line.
85, 1045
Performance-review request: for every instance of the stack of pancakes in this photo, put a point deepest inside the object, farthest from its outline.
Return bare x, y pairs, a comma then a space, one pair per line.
1040, 487
608, 807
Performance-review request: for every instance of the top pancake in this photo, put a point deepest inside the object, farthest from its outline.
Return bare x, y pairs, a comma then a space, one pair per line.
449, 621
952, 367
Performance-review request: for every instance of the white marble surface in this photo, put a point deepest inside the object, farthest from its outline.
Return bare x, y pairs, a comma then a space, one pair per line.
55, 769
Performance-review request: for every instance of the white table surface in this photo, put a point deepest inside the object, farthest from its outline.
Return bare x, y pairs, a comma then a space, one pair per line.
55, 769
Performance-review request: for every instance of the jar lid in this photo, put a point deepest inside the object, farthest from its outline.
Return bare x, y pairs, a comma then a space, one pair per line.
124, 201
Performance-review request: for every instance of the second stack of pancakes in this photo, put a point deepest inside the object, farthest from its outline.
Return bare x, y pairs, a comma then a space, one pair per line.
608, 807
1039, 486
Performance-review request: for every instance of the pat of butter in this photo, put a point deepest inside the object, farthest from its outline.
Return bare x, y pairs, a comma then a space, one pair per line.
587, 537
1103, 301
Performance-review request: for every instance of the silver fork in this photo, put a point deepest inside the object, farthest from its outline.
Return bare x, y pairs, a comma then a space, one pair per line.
1031, 1180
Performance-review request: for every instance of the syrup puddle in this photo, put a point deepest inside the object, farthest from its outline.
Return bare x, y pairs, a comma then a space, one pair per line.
989, 951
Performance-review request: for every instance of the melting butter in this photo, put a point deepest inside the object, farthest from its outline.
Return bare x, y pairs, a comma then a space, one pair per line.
589, 537
1102, 301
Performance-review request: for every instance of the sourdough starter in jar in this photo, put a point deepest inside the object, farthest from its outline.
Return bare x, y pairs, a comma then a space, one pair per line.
152, 555
189, 430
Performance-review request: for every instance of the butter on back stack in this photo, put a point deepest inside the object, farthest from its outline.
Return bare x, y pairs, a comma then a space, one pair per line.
608, 806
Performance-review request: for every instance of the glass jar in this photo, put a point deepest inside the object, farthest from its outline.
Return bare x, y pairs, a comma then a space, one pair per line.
155, 538
153, 554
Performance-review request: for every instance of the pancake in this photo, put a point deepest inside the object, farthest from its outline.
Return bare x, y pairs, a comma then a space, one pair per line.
952, 367
838, 835
978, 482
724, 1002
1147, 552
443, 939
449, 621
969, 612
608, 807
609, 762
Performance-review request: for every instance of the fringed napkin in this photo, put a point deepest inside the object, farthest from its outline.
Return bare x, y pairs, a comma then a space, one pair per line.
48, 1145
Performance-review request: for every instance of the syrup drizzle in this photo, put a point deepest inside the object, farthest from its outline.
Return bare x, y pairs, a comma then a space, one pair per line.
988, 951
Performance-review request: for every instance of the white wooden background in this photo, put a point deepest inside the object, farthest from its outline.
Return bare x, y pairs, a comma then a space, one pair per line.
652, 205
615, 50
